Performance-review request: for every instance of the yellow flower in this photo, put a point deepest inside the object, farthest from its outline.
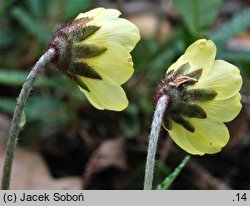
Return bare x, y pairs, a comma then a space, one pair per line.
203, 93
94, 50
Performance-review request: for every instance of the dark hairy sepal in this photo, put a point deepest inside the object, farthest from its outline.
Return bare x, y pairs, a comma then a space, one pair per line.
183, 98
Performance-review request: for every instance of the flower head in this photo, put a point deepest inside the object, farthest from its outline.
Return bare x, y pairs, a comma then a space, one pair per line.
203, 94
94, 50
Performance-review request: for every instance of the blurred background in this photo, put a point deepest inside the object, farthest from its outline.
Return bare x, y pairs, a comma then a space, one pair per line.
68, 144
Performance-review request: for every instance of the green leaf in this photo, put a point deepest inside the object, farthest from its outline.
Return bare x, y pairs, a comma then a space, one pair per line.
49, 110
74, 7
17, 78
239, 22
198, 15
14, 78
33, 27
161, 171
170, 178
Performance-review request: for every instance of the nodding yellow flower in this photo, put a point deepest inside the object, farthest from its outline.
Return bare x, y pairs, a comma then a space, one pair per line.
94, 51
203, 94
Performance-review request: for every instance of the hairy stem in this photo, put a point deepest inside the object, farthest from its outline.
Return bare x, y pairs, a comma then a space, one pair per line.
153, 140
15, 124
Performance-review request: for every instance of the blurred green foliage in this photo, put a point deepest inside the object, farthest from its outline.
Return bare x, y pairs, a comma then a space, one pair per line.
26, 28
195, 16
137, 177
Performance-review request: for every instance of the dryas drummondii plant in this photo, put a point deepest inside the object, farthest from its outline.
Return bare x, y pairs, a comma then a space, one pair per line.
94, 51
195, 97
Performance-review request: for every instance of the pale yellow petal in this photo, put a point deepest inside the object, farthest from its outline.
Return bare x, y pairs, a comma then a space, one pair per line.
209, 137
224, 109
91, 13
224, 78
107, 14
118, 30
115, 65
179, 136
200, 54
100, 14
104, 96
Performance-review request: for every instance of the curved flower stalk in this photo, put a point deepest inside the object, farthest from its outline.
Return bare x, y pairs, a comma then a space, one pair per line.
94, 50
203, 93
195, 97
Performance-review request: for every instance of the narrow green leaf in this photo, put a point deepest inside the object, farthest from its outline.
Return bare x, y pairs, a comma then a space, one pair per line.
33, 27
239, 22
161, 171
16, 78
170, 179
49, 110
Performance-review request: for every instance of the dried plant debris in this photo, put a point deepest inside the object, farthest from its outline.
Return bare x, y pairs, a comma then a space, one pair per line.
31, 172
107, 167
